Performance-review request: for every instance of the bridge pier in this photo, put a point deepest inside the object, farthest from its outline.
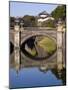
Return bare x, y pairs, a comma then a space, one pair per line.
60, 46
17, 46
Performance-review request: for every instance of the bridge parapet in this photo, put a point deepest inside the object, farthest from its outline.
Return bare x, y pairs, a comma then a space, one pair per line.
37, 28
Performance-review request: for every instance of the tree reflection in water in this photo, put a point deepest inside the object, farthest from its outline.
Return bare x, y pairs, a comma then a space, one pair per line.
58, 74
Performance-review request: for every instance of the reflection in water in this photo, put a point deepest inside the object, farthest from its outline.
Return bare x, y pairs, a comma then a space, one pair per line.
60, 75
30, 73
28, 77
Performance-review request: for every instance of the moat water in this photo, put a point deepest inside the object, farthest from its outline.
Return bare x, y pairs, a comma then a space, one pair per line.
33, 77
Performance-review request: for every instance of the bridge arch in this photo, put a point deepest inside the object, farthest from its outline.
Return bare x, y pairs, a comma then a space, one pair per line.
27, 36
52, 57
11, 47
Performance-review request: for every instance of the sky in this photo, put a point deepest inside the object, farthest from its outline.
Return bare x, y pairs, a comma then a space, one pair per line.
22, 8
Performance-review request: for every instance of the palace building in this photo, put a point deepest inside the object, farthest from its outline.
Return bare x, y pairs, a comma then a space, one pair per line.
44, 16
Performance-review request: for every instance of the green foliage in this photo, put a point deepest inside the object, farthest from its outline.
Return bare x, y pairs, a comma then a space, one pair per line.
59, 12
32, 51
12, 21
29, 21
48, 23
47, 44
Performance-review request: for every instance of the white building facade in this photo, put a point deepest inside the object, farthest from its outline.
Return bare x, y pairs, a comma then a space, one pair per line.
44, 16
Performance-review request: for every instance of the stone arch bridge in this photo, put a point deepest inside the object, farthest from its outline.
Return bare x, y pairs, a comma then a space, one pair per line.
26, 34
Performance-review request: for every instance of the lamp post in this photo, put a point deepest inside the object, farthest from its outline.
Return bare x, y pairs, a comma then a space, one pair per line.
21, 25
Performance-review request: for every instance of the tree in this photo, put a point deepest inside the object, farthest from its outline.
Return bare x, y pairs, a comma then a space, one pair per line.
12, 22
29, 21
59, 12
48, 23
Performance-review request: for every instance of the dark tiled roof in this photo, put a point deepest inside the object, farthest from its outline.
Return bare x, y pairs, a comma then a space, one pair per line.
43, 13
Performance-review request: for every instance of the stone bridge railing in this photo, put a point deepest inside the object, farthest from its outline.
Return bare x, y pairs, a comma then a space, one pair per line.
34, 31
